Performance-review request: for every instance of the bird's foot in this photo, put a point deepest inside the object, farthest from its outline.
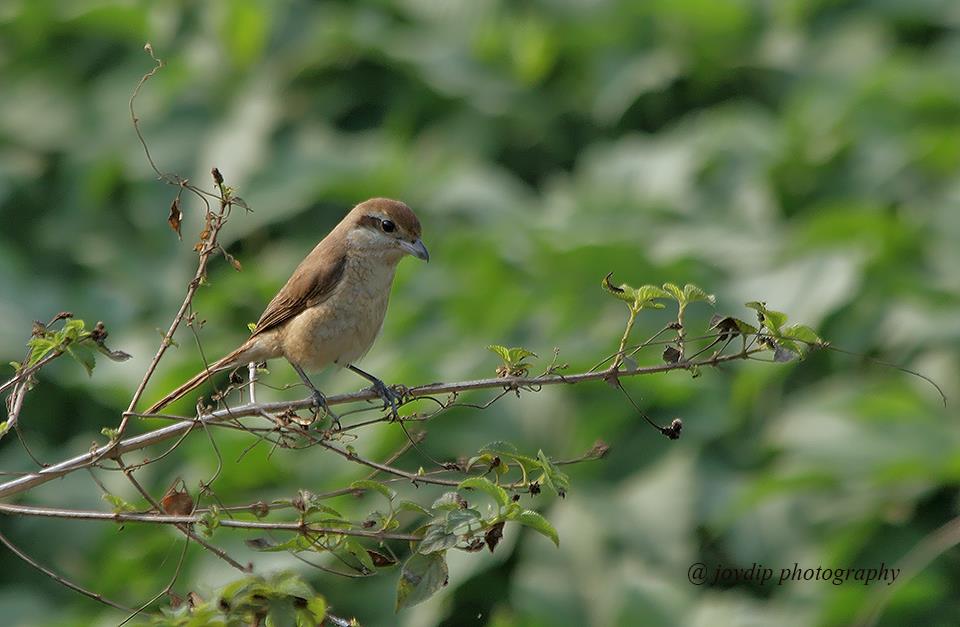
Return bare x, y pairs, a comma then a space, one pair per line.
391, 399
320, 401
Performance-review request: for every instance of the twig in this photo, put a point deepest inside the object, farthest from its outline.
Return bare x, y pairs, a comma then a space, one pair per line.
165, 519
58, 578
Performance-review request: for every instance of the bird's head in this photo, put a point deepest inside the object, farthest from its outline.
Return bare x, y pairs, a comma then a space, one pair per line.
386, 227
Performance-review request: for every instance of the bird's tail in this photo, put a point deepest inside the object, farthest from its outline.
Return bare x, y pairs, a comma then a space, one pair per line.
230, 361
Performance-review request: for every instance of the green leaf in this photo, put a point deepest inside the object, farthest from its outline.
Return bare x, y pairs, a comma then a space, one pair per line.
502, 351
513, 356
537, 522
317, 607
692, 294
555, 480
420, 578
291, 585
209, 521
769, 318
804, 334
674, 291
118, 504
448, 501
785, 350
409, 506
485, 485
645, 295
728, 326
518, 354
623, 291
485, 459
437, 538
369, 484
358, 551
280, 613
39, 348
112, 434
464, 521
85, 355
72, 330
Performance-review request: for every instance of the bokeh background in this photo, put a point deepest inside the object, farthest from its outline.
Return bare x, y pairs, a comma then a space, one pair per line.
800, 152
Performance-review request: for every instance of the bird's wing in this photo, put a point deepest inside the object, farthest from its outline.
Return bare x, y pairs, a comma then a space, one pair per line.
311, 283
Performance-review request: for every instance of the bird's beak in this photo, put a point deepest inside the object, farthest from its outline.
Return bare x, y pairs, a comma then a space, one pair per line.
416, 248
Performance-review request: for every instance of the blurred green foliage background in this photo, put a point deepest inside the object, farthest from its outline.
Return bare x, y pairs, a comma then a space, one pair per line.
800, 152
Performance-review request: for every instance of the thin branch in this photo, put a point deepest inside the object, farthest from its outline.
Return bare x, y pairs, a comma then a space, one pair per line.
28, 481
165, 519
59, 579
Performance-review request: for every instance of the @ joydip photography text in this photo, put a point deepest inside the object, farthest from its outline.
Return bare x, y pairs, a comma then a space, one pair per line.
699, 574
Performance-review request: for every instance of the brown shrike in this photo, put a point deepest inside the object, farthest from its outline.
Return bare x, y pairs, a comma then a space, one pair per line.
332, 307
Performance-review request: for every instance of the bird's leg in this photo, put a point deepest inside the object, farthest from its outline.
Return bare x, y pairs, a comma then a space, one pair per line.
318, 398
388, 396
252, 376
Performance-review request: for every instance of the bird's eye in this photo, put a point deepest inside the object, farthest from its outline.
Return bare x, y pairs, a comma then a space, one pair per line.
388, 226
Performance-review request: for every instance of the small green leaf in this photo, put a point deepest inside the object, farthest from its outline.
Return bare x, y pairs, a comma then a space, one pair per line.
437, 538
369, 484
783, 353
555, 480
85, 355
39, 348
310, 503
464, 521
358, 551
252, 326
804, 334
209, 521
728, 326
675, 291
692, 294
72, 330
537, 522
623, 291
409, 506
118, 504
769, 318
448, 501
280, 612
485, 459
112, 434
502, 351
420, 578
519, 353
645, 295
485, 485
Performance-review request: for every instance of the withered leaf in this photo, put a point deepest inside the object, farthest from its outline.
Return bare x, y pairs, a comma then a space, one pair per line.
175, 217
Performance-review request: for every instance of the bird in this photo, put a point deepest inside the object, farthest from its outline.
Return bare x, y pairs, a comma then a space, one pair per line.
331, 309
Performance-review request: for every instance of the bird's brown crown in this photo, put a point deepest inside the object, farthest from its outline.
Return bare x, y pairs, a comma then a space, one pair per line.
394, 210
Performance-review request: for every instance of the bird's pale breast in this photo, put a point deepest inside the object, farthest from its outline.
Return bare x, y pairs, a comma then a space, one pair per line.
342, 328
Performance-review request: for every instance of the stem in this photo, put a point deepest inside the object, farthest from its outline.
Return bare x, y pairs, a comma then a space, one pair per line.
623, 341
